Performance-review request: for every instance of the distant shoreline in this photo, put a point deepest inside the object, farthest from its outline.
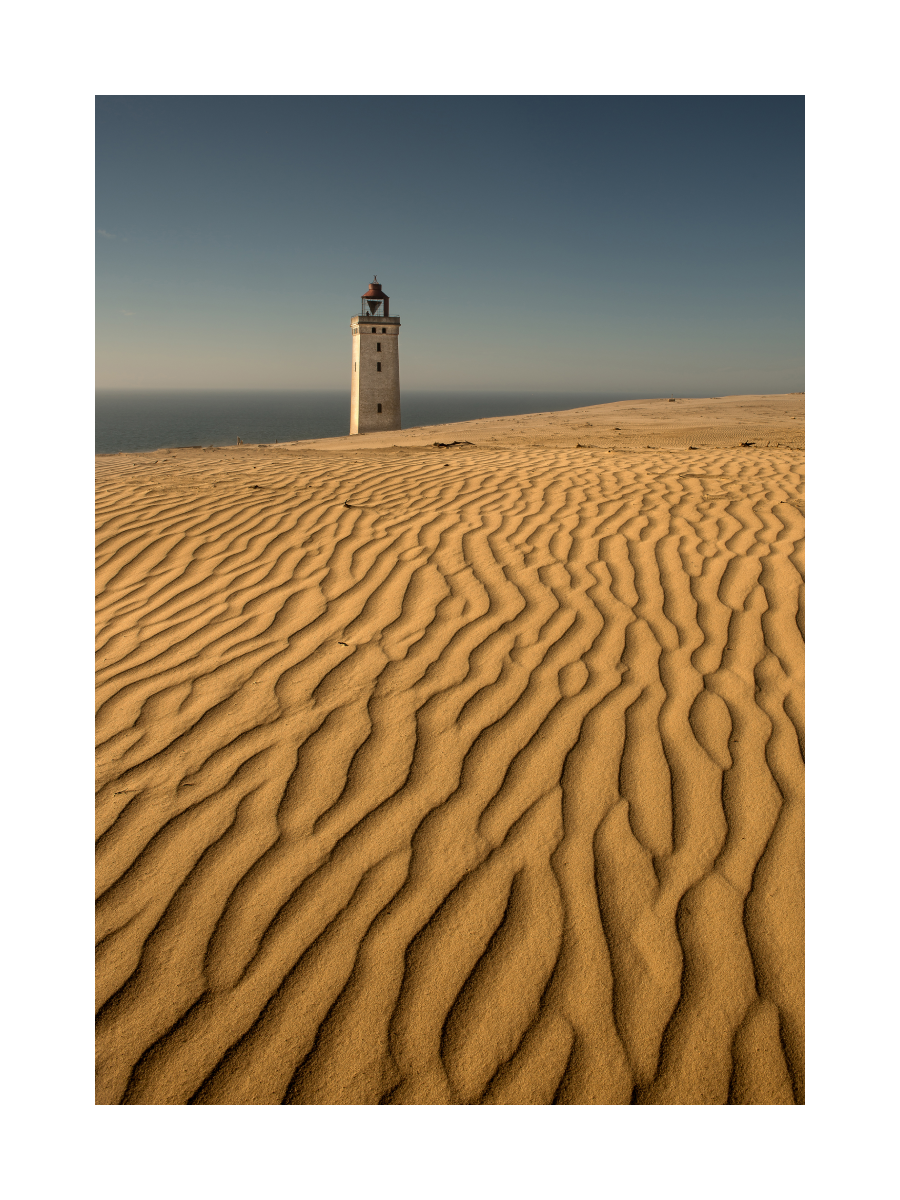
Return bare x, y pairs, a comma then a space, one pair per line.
674, 422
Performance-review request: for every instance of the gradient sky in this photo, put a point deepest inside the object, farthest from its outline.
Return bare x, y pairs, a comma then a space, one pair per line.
603, 244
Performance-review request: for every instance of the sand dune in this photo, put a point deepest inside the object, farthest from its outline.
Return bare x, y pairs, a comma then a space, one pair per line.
466, 775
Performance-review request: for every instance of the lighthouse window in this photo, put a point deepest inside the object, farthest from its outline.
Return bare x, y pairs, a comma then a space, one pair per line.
378, 345
379, 408
374, 330
384, 331
378, 366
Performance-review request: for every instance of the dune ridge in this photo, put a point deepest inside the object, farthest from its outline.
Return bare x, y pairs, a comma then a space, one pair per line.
464, 775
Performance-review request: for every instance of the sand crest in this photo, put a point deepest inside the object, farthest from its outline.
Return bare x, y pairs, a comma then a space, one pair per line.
456, 774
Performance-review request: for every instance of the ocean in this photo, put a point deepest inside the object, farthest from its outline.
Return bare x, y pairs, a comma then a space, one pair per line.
152, 420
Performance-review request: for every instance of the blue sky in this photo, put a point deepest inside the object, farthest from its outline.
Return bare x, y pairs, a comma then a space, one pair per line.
601, 244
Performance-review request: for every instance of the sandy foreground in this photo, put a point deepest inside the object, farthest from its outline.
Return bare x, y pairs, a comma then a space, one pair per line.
459, 774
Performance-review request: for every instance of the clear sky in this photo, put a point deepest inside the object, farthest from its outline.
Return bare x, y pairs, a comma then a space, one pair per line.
603, 244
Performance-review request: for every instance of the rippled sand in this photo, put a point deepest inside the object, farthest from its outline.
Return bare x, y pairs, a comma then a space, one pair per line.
456, 775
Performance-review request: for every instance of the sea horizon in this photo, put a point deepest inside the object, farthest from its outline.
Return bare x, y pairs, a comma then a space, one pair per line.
135, 419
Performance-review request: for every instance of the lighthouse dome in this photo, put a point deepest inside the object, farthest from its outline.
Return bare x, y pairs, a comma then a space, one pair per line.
375, 291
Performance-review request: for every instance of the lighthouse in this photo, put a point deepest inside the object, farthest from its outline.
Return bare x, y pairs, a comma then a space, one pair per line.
375, 371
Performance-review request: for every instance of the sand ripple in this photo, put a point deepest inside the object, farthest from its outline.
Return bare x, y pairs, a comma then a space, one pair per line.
464, 776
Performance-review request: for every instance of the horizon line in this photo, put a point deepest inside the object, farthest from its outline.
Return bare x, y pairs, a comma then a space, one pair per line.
450, 391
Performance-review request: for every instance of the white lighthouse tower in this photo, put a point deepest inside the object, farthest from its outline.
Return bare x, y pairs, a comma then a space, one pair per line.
375, 377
